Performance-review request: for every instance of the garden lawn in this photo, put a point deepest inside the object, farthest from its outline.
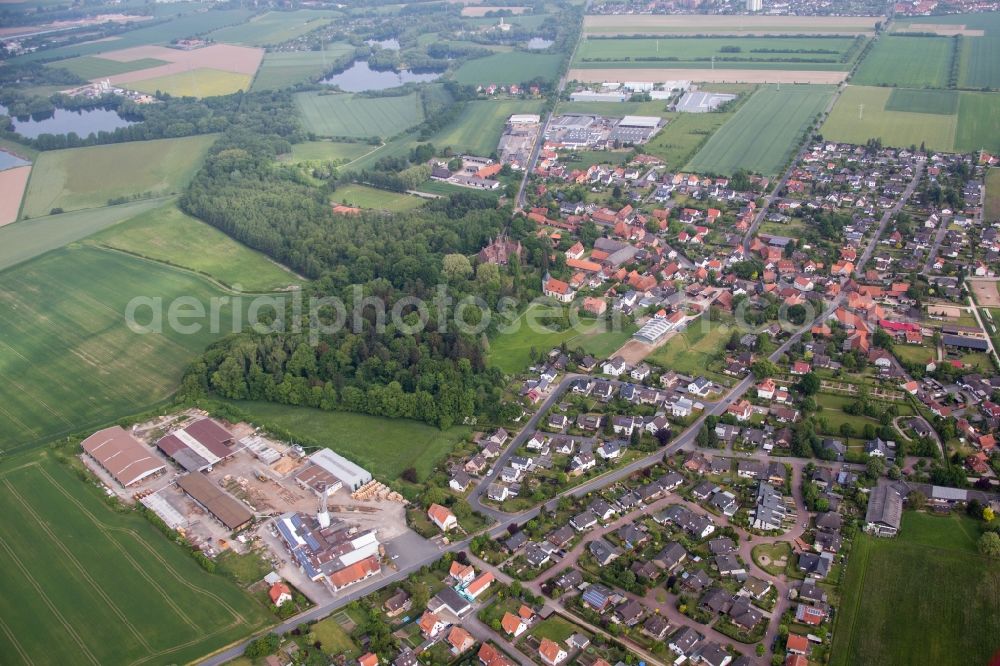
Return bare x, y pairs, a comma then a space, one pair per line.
383, 446
168, 235
89, 585
930, 576
341, 114
90, 177
765, 132
334, 639
834, 416
557, 629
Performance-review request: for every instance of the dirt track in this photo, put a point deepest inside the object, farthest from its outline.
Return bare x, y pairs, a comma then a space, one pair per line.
985, 292
705, 75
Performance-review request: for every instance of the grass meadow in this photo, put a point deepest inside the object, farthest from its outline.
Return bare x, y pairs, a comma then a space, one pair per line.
69, 358
385, 447
478, 128
906, 62
507, 68
991, 210
282, 69
691, 351
201, 82
764, 132
328, 151
930, 575
274, 27
341, 114
170, 236
88, 177
88, 585
363, 196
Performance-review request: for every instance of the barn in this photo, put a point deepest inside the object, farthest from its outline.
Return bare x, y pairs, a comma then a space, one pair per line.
198, 446
230, 512
122, 456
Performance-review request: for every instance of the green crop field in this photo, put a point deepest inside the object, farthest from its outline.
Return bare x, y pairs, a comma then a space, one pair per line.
363, 196
273, 28
701, 50
29, 238
88, 177
69, 358
507, 68
930, 575
684, 134
992, 208
88, 585
941, 102
694, 24
864, 113
478, 128
511, 351
691, 351
284, 69
384, 446
764, 132
355, 116
90, 67
201, 82
168, 235
980, 67
907, 62
328, 151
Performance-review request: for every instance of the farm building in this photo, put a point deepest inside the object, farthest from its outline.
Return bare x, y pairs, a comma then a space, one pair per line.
885, 511
317, 479
122, 456
229, 511
351, 475
965, 342
198, 446
326, 551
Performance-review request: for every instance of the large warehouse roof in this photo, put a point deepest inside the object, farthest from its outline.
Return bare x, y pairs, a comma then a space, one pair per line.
199, 445
639, 121
122, 455
353, 476
230, 512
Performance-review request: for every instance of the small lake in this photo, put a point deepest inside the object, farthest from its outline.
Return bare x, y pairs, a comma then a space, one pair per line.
538, 44
390, 44
84, 122
360, 77
9, 161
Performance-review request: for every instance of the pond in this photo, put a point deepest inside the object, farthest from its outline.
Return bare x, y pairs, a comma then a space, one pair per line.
9, 161
391, 44
84, 122
538, 44
360, 77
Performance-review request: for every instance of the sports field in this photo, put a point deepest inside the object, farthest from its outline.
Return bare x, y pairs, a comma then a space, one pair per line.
92, 67
764, 133
507, 68
272, 28
369, 197
384, 446
863, 113
283, 69
203, 82
930, 575
88, 177
87, 585
991, 210
728, 25
702, 49
341, 114
907, 62
328, 151
168, 235
478, 128
70, 361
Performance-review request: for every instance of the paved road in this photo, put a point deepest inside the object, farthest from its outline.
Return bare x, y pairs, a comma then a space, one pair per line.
907, 193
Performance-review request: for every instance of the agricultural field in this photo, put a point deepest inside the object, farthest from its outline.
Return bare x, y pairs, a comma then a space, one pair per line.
764, 132
328, 151
511, 352
85, 367
172, 237
728, 25
933, 571
375, 443
273, 28
906, 62
700, 50
906, 118
746, 73
12, 184
363, 196
980, 60
992, 208
507, 68
92, 67
684, 134
89, 177
691, 351
89, 585
478, 128
203, 82
284, 69
349, 115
